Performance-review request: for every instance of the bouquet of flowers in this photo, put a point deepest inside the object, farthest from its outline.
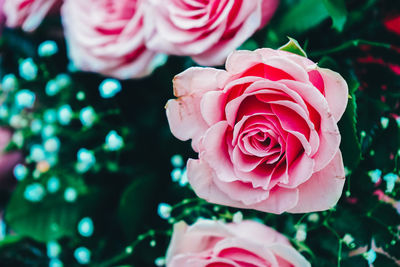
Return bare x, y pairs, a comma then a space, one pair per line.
199, 133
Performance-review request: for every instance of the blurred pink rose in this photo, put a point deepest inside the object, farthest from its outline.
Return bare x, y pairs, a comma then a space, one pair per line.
28, 14
205, 30
107, 36
265, 130
7, 160
214, 244
2, 16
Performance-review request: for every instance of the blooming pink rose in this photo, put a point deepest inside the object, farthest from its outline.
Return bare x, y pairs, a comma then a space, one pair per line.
107, 36
7, 160
265, 130
205, 30
214, 244
28, 14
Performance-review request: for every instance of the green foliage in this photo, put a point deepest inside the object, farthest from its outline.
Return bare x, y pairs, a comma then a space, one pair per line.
382, 260
303, 16
338, 12
350, 144
136, 204
48, 220
294, 47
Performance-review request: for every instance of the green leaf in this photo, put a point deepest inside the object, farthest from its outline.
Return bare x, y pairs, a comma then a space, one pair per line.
136, 204
302, 17
10, 240
338, 12
49, 219
350, 144
293, 47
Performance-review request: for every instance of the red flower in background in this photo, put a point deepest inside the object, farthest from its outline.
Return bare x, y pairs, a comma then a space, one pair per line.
393, 24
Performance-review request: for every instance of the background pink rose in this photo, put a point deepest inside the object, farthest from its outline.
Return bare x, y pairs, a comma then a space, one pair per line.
107, 37
214, 244
265, 130
28, 14
2, 16
7, 160
205, 30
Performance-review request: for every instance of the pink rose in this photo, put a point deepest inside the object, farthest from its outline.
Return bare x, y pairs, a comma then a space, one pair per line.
7, 160
28, 14
2, 16
214, 244
265, 130
205, 30
107, 36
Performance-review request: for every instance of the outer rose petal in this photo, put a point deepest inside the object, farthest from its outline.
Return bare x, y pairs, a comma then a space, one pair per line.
241, 60
323, 190
184, 114
201, 178
258, 232
336, 92
217, 54
185, 119
290, 255
197, 80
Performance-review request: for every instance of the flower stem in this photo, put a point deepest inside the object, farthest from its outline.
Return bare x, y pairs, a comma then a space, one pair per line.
347, 45
339, 257
131, 247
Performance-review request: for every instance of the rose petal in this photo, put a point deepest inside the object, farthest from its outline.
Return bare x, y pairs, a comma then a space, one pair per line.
279, 201
336, 91
243, 191
185, 119
244, 251
299, 166
257, 232
283, 63
256, 88
243, 162
241, 60
294, 120
268, 9
197, 261
215, 152
218, 54
211, 107
325, 185
329, 135
198, 80
289, 254
202, 178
